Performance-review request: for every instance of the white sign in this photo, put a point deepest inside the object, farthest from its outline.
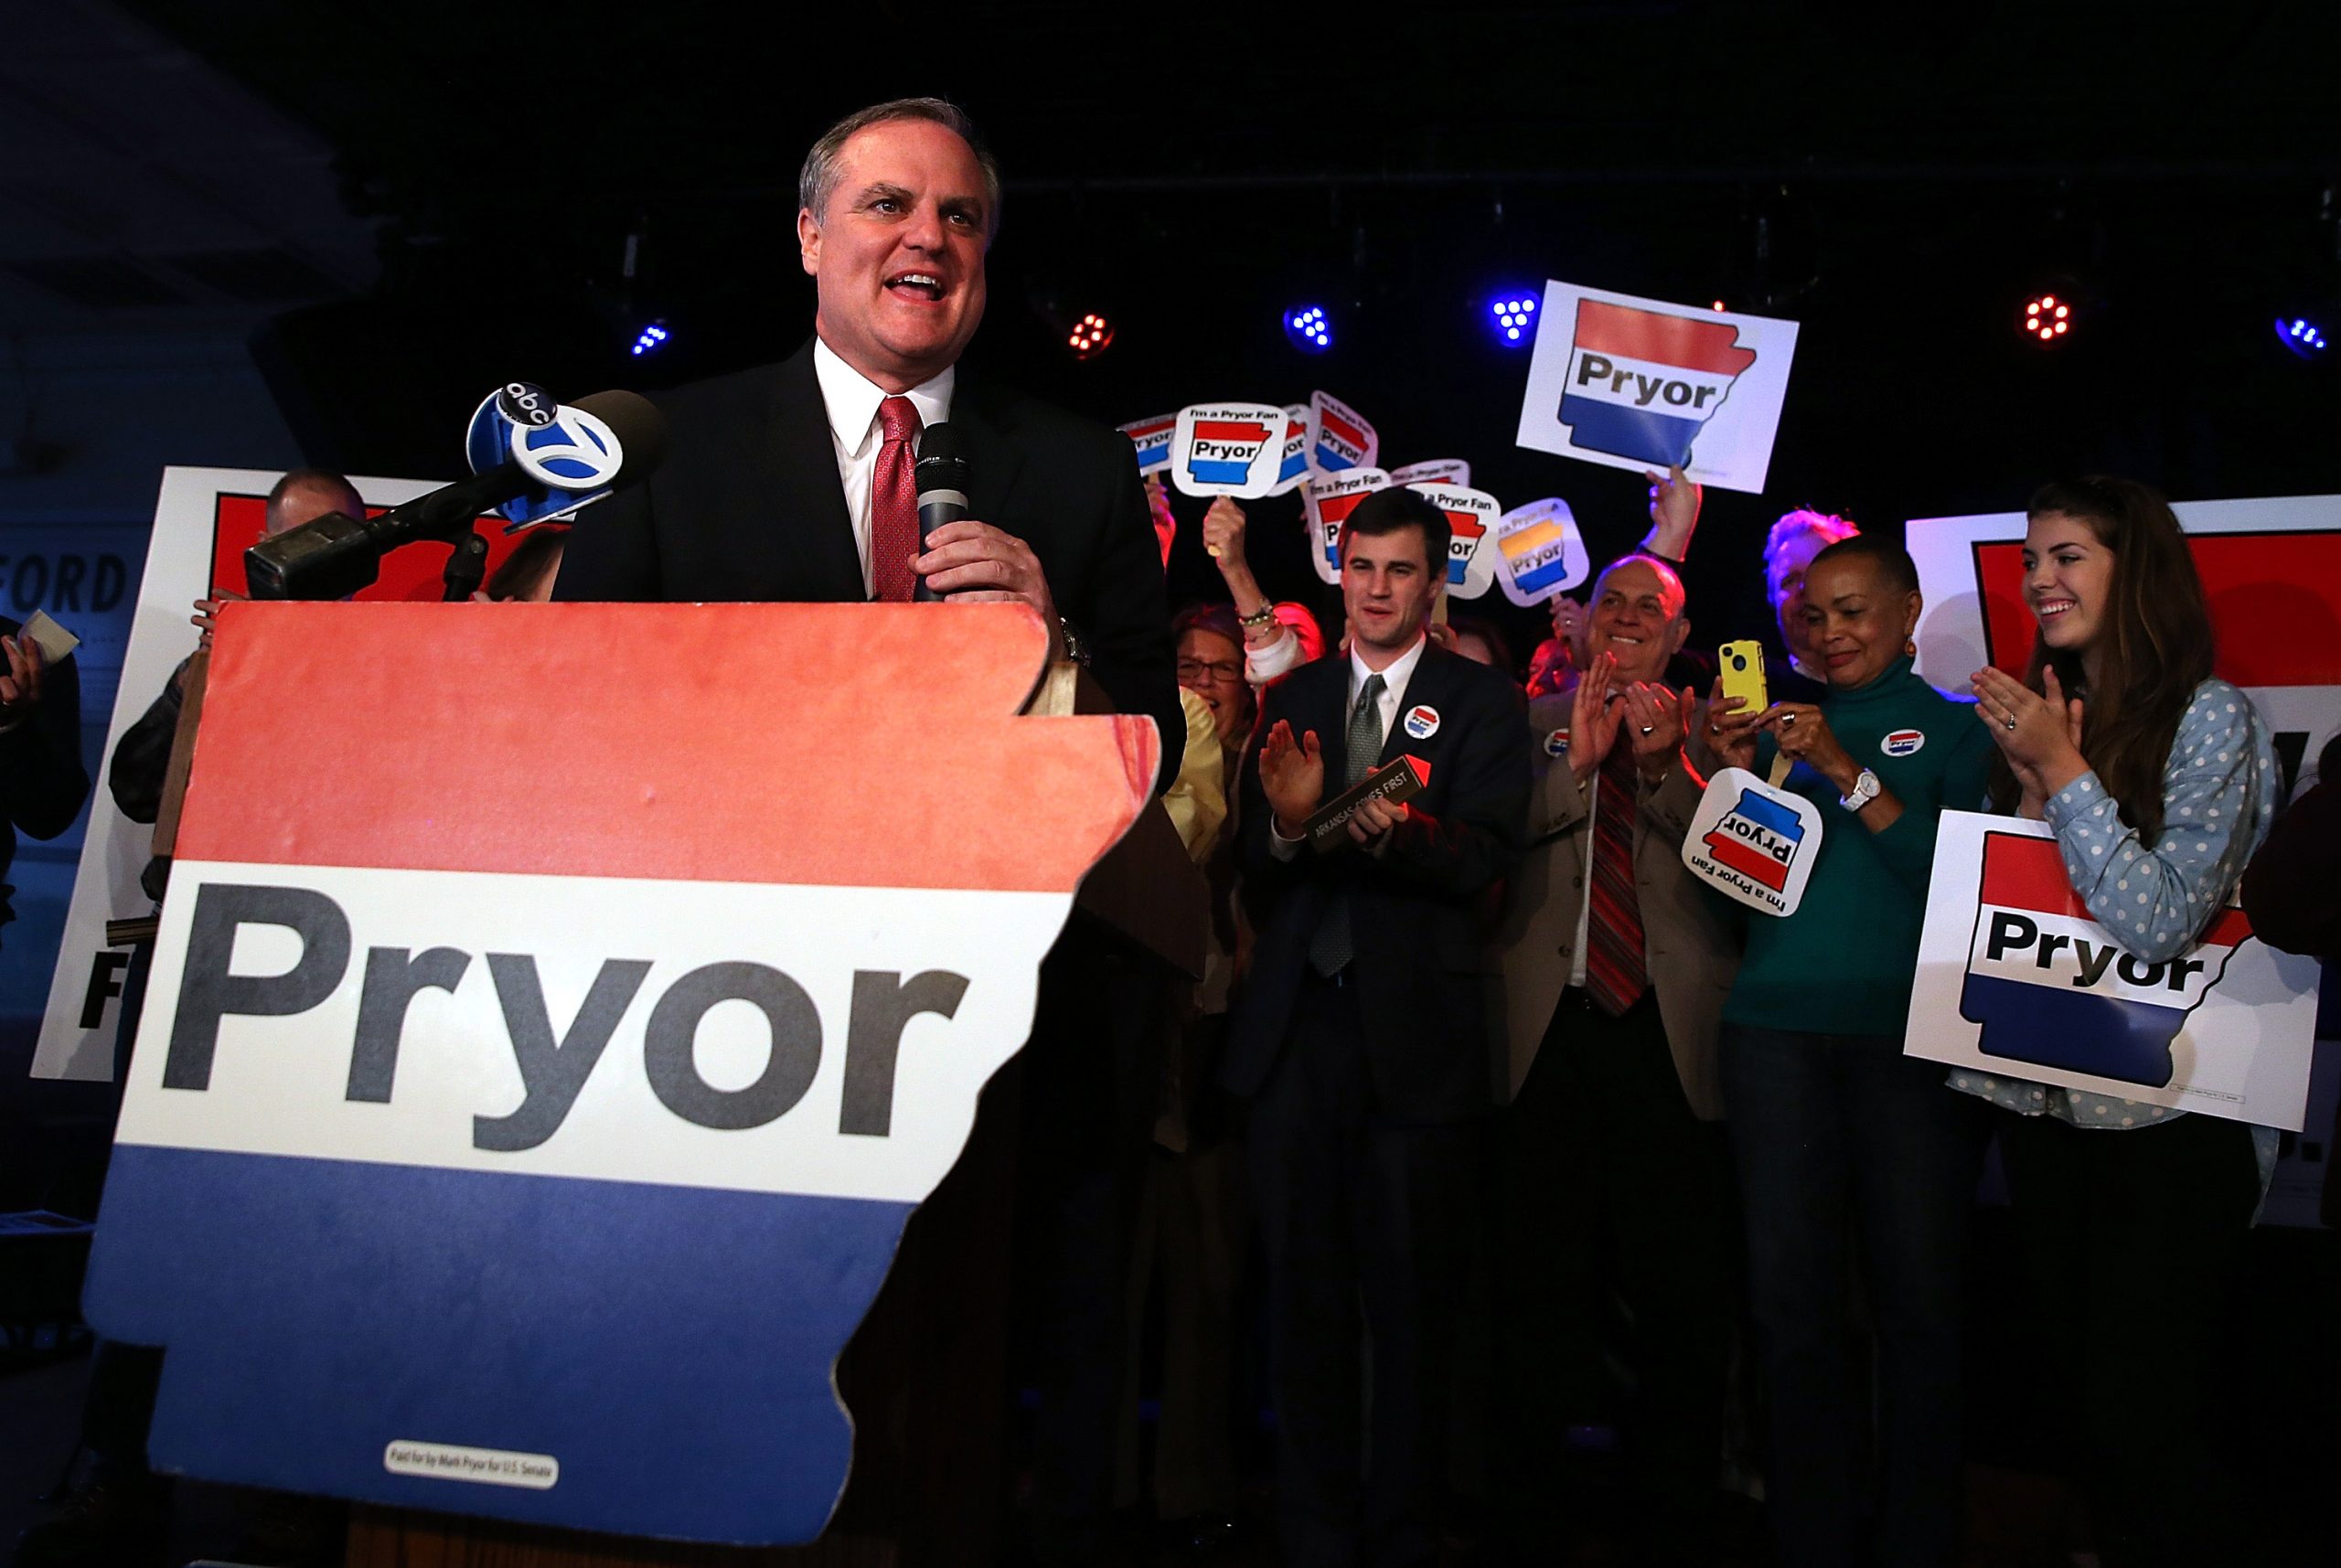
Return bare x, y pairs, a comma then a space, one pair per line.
1339, 437
77, 1033
1753, 842
1433, 471
1471, 567
1539, 552
1228, 448
1294, 470
1641, 384
2015, 980
1327, 500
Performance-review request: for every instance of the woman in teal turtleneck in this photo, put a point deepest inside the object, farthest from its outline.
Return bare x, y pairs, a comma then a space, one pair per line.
1833, 1126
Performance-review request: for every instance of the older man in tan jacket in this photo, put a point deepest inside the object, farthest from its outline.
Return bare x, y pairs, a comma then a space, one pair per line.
1616, 1179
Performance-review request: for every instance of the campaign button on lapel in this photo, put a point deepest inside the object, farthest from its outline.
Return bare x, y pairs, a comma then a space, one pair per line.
1556, 744
1422, 721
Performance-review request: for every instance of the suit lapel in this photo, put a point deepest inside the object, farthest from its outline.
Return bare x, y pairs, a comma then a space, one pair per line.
986, 425
797, 465
1429, 686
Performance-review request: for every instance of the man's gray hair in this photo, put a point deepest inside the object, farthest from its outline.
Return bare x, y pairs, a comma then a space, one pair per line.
817, 181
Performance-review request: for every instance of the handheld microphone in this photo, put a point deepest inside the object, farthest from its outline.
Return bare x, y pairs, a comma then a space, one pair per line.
942, 480
595, 444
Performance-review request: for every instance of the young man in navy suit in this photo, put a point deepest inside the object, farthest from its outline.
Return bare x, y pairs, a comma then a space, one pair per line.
1362, 1041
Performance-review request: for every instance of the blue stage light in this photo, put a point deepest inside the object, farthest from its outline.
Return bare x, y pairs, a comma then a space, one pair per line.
2301, 336
1514, 317
1308, 328
649, 340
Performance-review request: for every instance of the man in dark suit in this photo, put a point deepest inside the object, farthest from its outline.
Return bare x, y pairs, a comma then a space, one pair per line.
1362, 1041
793, 482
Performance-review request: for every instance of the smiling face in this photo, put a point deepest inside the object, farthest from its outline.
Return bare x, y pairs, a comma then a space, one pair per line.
1638, 618
2068, 581
1213, 668
1387, 588
898, 258
1857, 625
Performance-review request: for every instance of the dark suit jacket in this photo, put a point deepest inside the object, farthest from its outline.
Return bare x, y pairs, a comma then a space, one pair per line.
42, 781
1420, 913
747, 507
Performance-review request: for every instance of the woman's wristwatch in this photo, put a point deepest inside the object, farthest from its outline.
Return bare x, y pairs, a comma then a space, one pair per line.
1866, 789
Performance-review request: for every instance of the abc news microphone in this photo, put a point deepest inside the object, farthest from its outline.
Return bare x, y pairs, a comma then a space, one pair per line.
585, 450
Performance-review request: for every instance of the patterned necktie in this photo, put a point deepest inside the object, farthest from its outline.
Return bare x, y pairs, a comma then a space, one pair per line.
893, 503
1615, 971
1329, 948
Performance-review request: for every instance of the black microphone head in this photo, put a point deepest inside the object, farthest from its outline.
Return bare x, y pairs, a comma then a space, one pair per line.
941, 465
640, 428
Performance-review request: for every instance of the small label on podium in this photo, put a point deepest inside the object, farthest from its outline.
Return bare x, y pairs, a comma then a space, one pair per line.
1396, 781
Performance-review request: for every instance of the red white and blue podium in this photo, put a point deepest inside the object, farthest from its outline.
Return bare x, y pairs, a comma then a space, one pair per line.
558, 1012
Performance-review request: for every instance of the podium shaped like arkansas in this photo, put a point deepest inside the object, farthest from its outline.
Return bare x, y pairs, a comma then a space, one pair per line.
557, 1013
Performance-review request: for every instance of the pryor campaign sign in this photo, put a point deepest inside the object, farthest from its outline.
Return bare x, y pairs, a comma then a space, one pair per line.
538, 1071
1228, 448
1327, 500
1638, 383
2015, 979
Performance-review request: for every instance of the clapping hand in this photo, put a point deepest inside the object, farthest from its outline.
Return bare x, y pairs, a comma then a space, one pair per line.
2040, 734
1660, 718
1593, 718
1292, 775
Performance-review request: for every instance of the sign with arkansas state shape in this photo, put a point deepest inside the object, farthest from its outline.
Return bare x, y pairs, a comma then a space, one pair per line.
1327, 501
1470, 561
1540, 553
2017, 980
1228, 448
1637, 383
529, 1099
1753, 842
1339, 437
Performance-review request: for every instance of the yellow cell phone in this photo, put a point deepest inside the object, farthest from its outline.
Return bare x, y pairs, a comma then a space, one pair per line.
1742, 664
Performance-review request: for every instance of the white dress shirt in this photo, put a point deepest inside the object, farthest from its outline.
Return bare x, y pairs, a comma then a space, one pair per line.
853, 399
1395, 674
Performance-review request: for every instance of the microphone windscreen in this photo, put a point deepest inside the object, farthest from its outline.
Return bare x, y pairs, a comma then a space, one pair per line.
939, 443
640, 428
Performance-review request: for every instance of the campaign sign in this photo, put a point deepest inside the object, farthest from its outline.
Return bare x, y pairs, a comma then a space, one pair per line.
527, 1103
1540, 554
1433, 471
204, 519
1753, 842
1327, 500
1339, 437
1227, 449
1471, 569
2017, 980
1641, 384
1292, 470
1152, 439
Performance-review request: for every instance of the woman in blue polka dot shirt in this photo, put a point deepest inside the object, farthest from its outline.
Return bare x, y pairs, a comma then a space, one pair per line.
2159, 782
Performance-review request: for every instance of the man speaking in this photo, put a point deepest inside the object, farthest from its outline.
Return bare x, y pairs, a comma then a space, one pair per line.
794, 482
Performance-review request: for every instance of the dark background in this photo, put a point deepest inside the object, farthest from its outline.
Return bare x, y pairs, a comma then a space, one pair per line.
1896, 179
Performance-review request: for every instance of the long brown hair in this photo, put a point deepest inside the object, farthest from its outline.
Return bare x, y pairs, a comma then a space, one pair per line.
2153, 648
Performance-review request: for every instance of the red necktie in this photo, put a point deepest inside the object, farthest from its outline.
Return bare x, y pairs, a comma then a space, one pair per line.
1615, 971
893, 503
